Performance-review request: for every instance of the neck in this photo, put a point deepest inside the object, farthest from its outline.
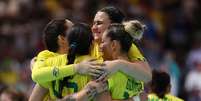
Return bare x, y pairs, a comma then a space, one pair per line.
61, 51
98, 41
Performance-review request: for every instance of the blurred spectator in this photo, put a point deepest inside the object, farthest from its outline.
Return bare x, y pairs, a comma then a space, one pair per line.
8, 94
171, 24
160, 87
171, 67
195, 53
193, 82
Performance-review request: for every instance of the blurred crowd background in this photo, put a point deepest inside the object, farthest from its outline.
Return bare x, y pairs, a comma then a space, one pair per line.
172, 41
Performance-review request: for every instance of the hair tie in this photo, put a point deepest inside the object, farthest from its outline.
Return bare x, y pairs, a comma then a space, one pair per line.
73, 45
135, 33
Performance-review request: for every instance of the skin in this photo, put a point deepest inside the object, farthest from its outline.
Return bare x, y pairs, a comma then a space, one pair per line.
100, 24
39, 92
109, 49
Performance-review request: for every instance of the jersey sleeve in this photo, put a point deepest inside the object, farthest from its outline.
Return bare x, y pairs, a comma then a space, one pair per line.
51, 69
135, 54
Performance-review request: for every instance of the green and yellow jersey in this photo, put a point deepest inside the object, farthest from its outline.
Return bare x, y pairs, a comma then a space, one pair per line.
53, 68
167, 97
134, 54
78, 81
39, 63
122, 86
74, 83
43, 71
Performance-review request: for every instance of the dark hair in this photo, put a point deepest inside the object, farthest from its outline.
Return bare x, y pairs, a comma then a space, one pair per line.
115, 15
160, 83
117, 32
80, 39
51, 32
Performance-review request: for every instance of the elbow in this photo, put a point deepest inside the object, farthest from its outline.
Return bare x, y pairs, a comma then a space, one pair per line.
148, 77
148, 73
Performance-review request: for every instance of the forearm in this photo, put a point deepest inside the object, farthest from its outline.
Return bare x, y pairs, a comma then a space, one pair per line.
79, 96
105, 96
139, 70
45, 74
38, 93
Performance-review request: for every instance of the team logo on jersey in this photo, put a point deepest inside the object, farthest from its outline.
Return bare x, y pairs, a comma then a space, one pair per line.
55, 71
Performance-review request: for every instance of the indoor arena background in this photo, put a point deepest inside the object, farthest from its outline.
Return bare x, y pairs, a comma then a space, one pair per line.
172, 41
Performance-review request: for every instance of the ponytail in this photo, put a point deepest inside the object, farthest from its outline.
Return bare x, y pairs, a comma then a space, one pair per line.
64, 82
80, 39
134, 28
72, 52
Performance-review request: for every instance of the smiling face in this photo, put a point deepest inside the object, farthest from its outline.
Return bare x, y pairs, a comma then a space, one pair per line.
100, 24
106, 47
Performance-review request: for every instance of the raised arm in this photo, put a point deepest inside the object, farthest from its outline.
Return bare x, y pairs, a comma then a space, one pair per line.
55, 68
139, 70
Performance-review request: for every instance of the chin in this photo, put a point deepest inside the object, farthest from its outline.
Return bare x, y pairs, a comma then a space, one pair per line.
97, 39
105, 58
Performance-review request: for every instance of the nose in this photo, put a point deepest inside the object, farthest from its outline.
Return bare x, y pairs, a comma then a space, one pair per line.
94, 28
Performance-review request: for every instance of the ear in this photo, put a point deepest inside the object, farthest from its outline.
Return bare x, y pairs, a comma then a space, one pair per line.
114, 45
60, 40
60, 37
168, 88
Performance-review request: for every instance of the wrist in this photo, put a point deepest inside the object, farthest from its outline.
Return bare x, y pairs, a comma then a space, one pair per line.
90, 91
72, 97
76, 66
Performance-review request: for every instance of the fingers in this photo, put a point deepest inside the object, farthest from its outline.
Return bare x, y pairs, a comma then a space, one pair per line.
99, 86
103, 77
96, 72
94, 75
105, 86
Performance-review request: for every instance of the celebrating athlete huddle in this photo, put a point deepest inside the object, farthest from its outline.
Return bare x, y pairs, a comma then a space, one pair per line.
101, 63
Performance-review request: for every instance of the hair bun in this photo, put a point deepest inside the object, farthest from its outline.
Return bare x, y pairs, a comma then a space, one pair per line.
134, 28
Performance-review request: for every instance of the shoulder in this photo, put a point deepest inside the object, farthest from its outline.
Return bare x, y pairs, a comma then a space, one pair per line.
45, 54
173, 98
57, 60
152, 95
135, 54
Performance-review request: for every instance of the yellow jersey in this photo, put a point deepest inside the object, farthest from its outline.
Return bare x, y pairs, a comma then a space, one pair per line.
167, 97
39, 63
75, 83
78, 81
53, 68
122, 86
